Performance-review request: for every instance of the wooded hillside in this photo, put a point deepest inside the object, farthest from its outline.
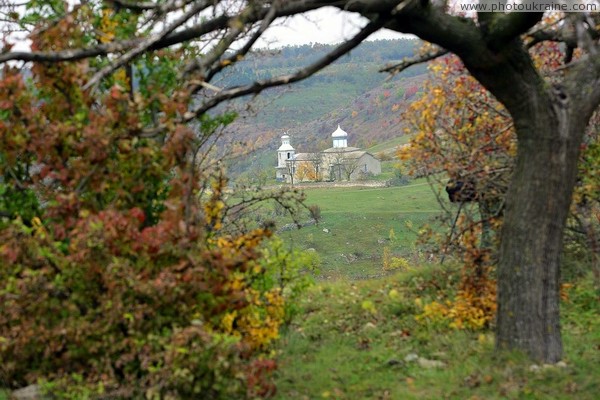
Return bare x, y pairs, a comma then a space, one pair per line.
369, 105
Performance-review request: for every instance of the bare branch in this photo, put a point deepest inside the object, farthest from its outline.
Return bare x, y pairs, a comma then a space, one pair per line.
575, 31
236, 56
67, 55
195, 31
410, 61
134, 6
552, 36
584, 29
585, 73
458, 35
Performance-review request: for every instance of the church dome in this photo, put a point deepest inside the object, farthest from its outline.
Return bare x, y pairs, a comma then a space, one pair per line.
285, 144
339, 132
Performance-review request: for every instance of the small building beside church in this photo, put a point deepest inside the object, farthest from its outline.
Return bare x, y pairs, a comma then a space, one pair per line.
337, 163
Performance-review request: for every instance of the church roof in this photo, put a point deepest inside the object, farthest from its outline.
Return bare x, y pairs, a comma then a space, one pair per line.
285, 147
306, 157
355, 154
339, 132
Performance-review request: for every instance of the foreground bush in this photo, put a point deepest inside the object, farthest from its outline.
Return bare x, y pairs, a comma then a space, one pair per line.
120, 276
119, 313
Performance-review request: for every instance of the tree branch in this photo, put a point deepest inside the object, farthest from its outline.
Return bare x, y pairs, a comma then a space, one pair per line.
552, 36
503, 28
236, 56
134, 6
408, 62
303, 73
219, 22
584, 73
457, 34
145, 44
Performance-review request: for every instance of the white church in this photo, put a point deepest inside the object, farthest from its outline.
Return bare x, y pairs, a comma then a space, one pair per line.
337, 163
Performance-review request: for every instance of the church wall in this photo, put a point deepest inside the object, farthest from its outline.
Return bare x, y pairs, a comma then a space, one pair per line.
367, 163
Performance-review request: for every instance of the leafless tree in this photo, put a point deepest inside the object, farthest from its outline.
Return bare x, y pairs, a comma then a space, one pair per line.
291, 166
349, 166
316, 161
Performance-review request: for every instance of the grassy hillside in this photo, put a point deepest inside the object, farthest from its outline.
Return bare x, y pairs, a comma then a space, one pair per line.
389, 146
350, 76
359, 223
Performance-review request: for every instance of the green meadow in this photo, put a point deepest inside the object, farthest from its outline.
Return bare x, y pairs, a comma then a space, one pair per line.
357, 224
361, 333
362, 340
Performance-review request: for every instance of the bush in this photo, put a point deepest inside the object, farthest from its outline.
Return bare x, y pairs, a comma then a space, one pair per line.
383, 156
315, 212
391, 263
136, 311
289, 271
125, 280
365, 176
398, 181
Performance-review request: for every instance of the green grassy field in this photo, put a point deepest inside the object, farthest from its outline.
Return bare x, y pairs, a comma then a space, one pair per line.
360, 340
360, 223
388, 171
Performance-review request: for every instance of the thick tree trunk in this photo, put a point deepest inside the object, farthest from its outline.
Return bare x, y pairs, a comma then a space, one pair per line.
550, 117
537, 205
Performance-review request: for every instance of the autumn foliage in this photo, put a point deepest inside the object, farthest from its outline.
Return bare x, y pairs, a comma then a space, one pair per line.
120, 277
462, 134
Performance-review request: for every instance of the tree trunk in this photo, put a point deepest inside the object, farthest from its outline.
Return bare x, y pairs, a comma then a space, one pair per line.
537, 205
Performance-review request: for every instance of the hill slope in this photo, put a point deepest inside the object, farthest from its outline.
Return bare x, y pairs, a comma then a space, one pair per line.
351, 92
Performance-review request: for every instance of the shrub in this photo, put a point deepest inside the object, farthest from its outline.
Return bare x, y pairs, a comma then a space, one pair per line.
365, 176
125, 279
391, 263
132, 310
289, 272
384, 156
315, 212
